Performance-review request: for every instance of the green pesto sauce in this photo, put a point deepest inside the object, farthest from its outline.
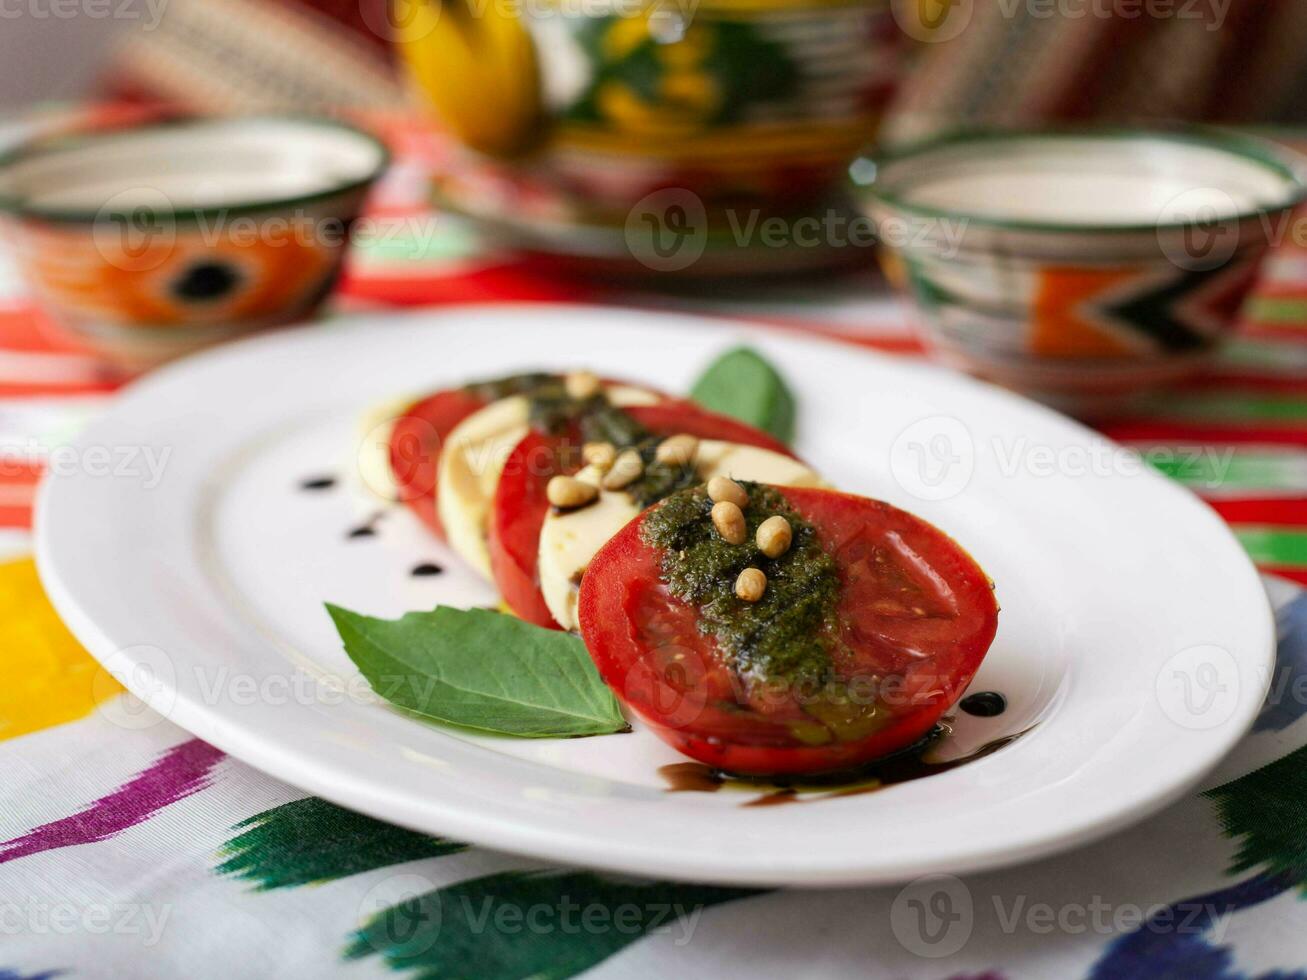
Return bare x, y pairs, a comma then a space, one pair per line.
658, 479
514, 384
552, 411
790, 637
606, 423
600, 421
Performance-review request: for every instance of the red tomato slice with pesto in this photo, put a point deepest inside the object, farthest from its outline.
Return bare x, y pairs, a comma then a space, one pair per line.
914, 616
415, 445
518, 512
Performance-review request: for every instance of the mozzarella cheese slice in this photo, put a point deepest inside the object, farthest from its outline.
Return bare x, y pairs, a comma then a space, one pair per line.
372, 453
473, 458
568, 541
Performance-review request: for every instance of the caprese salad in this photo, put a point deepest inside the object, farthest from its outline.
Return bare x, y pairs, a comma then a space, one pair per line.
755, 618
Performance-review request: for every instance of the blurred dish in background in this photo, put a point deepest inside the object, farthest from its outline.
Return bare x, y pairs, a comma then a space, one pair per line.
151, 242
1080, 267
747, 107
668, 231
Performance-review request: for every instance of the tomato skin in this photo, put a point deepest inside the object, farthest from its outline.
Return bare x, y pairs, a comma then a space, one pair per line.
647, 648
415, 445
520, 506
517, 516
676, 415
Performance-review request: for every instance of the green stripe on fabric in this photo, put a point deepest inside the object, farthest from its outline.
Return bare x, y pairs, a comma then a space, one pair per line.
543, 925
1212, 468
1264, 811
1274, 546
1279, 311
1273, 357
1229, 407
311, 841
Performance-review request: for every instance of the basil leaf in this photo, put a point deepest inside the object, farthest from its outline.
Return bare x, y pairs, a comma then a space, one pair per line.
743, 385
481, 669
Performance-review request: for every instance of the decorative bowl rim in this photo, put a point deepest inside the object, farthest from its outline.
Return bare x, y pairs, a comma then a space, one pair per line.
49, 145
1284, 162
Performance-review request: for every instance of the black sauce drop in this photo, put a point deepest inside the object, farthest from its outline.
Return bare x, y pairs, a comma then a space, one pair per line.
427, 569
315, 483
367, 529
984, 704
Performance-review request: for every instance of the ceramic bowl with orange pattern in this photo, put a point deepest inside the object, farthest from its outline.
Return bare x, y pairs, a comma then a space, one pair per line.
1082, 266
154, 241
591, 106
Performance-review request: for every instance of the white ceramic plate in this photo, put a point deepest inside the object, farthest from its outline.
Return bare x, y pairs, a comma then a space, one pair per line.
1135, 640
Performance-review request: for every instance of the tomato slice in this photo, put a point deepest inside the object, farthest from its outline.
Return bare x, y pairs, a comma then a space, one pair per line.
518, 513
415, 445
915, 616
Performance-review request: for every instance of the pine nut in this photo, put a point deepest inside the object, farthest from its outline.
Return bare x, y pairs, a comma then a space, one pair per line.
729, 521
600, 455
677, 451
774, 536
625, 469
567, 493
724, 488
751, 584
581, 385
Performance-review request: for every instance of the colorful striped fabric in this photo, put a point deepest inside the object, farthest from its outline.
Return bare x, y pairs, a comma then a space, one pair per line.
136, 849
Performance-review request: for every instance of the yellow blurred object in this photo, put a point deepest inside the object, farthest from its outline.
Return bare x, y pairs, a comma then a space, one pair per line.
478, 67
46, 678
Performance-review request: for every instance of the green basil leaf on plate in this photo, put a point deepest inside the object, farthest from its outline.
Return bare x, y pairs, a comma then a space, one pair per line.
483, 670
742, 384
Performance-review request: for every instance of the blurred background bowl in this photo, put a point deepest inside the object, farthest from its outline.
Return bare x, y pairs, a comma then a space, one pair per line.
583, 109
154, 241
1081, 266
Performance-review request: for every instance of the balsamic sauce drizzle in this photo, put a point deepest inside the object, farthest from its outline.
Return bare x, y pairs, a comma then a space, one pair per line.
984, 704
426, 569
318, 483
904, 767
368, 529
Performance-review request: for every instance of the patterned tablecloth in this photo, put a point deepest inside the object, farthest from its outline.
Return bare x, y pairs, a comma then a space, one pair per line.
129, 848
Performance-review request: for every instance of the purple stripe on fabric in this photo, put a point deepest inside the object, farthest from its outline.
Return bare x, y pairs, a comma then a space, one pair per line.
179, 772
